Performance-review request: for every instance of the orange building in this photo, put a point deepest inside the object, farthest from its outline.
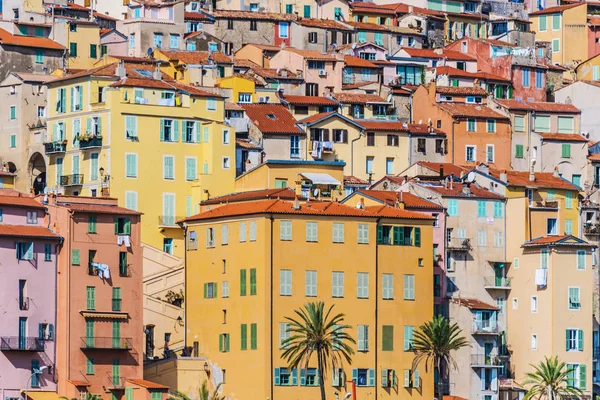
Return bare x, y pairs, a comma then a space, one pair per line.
476, 133
99, 334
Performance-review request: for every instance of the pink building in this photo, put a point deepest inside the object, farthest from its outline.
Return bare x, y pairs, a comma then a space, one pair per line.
27, 296
113, 42
322, 72
593, 36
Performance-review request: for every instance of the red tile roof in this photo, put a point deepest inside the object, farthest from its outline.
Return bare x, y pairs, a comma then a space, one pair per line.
312, 54
357, 85
29, 231
435, 54
312, 209
594, 157
593, 20
473, 304
424, 129
197, 57
496, 42
6, 38
566, 137
265, 16
18, 199
264, 194
374, 125
316, 117
368, 26
556, 9
352, 61
98, 208
542, 180
461, 90
196, 16
309, 101
247, 144
475, 191
233, 107
357, 98
267, 47
147, 384
408, 199
353, 180
449, 168
450, 71
323, 23
372, 8
470, 110
563, 240
539, 106
399, 8
272, 118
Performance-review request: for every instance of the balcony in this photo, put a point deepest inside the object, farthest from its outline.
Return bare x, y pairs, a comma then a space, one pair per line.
23, 303
115, 382
496, 283
544, 204
385, 117
590, 228
71, 180
347, 79
91, 143
482, 360
106, 343
21, 343
458, 244
55, 147
485, 327
169, 221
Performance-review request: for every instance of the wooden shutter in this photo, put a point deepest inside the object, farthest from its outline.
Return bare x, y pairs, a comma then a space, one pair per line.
244, 337
252, 281
242, 282
253, 336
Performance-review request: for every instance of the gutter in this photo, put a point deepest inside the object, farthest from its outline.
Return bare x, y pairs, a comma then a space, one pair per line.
185, 282
360, 134
376, 304
271, 301
454, 122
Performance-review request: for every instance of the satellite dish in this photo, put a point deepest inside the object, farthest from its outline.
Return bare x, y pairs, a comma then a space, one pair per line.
471, 176
149, 51
316, 192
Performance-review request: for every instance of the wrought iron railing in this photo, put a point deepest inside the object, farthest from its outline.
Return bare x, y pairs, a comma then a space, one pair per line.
71, 180
115, 343
21, 343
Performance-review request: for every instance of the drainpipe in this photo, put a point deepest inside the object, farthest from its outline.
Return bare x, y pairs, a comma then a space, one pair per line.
376, 308
360, 134
454, 121
271, 299
185, 282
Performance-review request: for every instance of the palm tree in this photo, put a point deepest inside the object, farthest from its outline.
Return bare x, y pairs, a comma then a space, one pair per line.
549, 381
317, 331
433, 342
203, 393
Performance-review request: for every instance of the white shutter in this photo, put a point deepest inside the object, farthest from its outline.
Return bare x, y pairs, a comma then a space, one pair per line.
242, 231
494, 379
225, 234
361, 338
225, 289
406, 378
252, 231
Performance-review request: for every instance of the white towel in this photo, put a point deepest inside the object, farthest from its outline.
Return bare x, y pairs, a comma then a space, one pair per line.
540, 277
119, 240
315, 149
103, 270
127, 241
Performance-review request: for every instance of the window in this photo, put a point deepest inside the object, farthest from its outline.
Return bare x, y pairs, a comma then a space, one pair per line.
295, 146
481, 208
387, 286
409, 75
519, 124
226, 162
541, 123
158, 40
93, 51
498, 239
491, 125
210, 238
362, 285
285, 377
497, 209
311, 232
168, 167
525, 77
471, 154
574, 340
534, 342
363, 234
519, 151
73, 49
421, 146
543, 23
338, 13
174, 41
539, 78
211, 105
568, 200
576, 377
131, 167
41, 112
13, 141
24, 250
555, 45
551, 226
555, 22
409, 287
337, 283
389, 166
338, 233
285, 282
13, 112
285, 230
408, 337
471, 125
534, 304
565, 125
481, 238
91, 224
574, 302
191, 169
284, 333
363, 338
245, 98
224, 342
544, 258
453, 208
91, 297
568, 227
210, 290
47, 252
311, 283
581, 259
369, 166
284, 30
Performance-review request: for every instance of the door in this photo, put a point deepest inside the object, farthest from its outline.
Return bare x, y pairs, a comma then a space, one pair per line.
116, 372
116, 335
22, 333
498, 273
22, 294
89, 334
75, 166
488, 347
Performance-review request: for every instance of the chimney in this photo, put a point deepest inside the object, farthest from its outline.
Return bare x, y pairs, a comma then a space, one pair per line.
120, 71
157, 75
441, 171
298, 188
451, 181
466, 189
361, 204
504, 176
296, 203
555, 173
531, 176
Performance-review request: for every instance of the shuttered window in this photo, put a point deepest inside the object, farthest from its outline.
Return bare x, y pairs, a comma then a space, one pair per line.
337, 282
285, 230
362, 285
580, 259
387, 338
409, 287
311, 284
285, 282
363, 338
363, 234
388, 286
131, 165
312, 232
169, 167
541, 123
519, 124
338, 233
408, 337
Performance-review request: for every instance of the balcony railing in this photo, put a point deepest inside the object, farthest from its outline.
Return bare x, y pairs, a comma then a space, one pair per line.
169, 221
347, 79
91, 143
496, 282
116, 382
101, 343
23, 303
543, 204
486, 327
386, 117
21, 343
71, 180
591, 228
55, 147
459, 244
482, 359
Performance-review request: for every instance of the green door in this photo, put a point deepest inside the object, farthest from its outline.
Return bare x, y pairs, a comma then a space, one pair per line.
89, 333
116, 334
116, 372
488, 347
498, 272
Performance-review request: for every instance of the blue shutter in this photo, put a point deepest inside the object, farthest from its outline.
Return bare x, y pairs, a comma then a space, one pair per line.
277, 380
371, 377
197, 133
354, 375
302, 377
162, 130
295, 377
176, 130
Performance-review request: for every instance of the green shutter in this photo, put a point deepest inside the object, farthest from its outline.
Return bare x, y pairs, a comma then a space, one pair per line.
129, 393
379, 234
242, 282
91, 224
567, 339
566, 150
519, 151
253, 338
221, 342
89, 367
252, 281
580, 340
176, 130
127, 226
75, 257
387, 338
398, 235
582, 376
244, 337
162, 130
116, 334
418, 237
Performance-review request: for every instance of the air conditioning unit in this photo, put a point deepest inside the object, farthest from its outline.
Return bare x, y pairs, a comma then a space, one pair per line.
322, 72
263, 99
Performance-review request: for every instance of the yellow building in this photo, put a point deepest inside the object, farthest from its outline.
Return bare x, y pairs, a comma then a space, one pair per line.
246, 88
259, 261
121, 130
566, 28
201, 68
82, 40
588, 70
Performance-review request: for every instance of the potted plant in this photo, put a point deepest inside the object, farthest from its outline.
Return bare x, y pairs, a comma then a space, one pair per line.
175, 298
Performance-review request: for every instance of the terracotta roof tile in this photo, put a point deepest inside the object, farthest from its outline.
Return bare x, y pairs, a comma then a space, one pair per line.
196, 16
470, 110
312, 209
356, 98
368, 26
542, 180
309, 101
272, 118
448, 54
197, 57
371, 8
6, 38
247, 144
461, 90
476, 16
374, 125
18, 199
147, 384
475, 191
357, 85
233, 107
408, 199
449, 168
316, 117
312, 54
98, 208
323, 23
30, 231
264, 194
556, 9
29, 77
569, 137
594, 157
424, 129
539, 106
353, 180
561, 240
450, 71
473, 304
352, 61
265, 16
593, 20
267, 47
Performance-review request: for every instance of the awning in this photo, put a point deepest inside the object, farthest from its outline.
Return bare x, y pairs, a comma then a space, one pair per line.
320, 179
33, 395
108, 315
